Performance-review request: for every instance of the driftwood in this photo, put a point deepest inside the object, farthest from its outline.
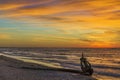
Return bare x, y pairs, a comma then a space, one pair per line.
86, 66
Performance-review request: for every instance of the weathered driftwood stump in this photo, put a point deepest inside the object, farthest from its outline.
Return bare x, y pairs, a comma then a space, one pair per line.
85, 66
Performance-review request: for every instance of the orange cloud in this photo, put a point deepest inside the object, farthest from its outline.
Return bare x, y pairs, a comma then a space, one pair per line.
84, 22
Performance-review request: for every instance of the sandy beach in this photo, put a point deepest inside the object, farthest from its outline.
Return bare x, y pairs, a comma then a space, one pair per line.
58, 64
11, 69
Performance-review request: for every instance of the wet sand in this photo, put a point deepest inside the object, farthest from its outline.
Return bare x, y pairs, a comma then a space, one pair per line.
12, 69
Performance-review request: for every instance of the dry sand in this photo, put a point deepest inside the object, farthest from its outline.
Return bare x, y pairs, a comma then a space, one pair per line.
10, 69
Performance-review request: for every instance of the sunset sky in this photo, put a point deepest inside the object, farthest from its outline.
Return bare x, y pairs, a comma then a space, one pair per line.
60, 23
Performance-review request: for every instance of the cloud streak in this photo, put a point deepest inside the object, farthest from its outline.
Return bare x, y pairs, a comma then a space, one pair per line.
86, 22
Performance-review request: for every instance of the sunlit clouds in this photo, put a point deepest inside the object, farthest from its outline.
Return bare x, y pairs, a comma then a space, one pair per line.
60, 23
4, 36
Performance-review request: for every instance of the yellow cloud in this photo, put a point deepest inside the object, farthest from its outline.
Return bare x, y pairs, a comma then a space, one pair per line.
85, 23
5, 36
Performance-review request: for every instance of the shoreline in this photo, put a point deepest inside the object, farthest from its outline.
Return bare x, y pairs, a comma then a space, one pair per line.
22, 67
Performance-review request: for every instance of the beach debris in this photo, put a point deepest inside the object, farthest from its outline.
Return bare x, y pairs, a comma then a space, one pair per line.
86, 66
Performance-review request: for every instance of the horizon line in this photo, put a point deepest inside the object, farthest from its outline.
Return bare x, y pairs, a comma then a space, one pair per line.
69, 47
